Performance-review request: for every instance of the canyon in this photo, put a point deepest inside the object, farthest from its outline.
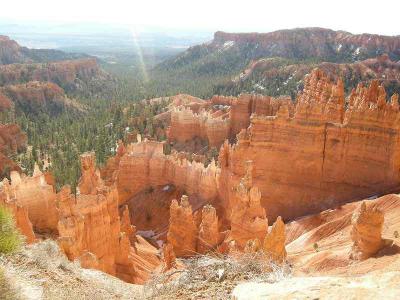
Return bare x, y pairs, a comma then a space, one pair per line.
304, 184
125, 218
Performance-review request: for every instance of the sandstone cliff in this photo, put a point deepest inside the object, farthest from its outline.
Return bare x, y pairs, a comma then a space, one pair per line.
144, 165
87, 226
77, 74
219, 118
20, 213
34, 94
346, 153
90, 223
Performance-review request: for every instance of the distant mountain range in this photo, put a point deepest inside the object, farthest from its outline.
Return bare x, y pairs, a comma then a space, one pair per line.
273, 63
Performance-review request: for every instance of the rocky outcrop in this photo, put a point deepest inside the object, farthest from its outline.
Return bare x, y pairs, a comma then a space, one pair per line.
247, 217
169, 258
87, 226
12, 140
20, 213
345, 153
61, 72
37, 197
366, 233
91, 224
144, 165
182, 231
277, 76
220, 118
38, 94
274, 242
312, 42
186, 125
76, 74
209, 235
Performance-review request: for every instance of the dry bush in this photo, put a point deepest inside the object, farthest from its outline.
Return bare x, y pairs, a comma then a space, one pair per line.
213, 276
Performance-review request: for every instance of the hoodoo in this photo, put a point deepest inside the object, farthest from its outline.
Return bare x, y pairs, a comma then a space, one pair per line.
366, 231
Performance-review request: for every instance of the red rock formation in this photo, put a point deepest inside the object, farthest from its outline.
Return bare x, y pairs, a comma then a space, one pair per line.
90, 180
274, 242
61, 72
186, 125
182, 231
216, 125
37, 197
10, 51
367, 224
91, 224
247, 217
37, 93
144, 165
12, 140
209, 236
169, 258
20, 213
245, 105
335, 154
5, 102
126, 226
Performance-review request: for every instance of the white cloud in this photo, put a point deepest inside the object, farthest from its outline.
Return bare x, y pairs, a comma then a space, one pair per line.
230, 15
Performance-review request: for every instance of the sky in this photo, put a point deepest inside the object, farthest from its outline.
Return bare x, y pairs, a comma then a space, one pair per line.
380, 17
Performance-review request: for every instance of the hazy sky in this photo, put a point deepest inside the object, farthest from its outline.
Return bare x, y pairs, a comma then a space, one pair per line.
378, 16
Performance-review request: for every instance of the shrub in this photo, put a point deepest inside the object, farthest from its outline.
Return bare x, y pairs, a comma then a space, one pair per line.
315, 247
10, 238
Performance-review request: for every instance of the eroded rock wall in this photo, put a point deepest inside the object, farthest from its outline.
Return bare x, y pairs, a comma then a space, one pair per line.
220, 118
145, 165
321, 156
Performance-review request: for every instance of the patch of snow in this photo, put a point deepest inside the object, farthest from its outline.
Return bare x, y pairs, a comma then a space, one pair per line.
357, 51
259, 86
166, 188
127, 129
227, 45
146, 233
339, 47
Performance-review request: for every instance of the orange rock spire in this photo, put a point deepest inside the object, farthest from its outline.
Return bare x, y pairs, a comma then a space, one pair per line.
366, 232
